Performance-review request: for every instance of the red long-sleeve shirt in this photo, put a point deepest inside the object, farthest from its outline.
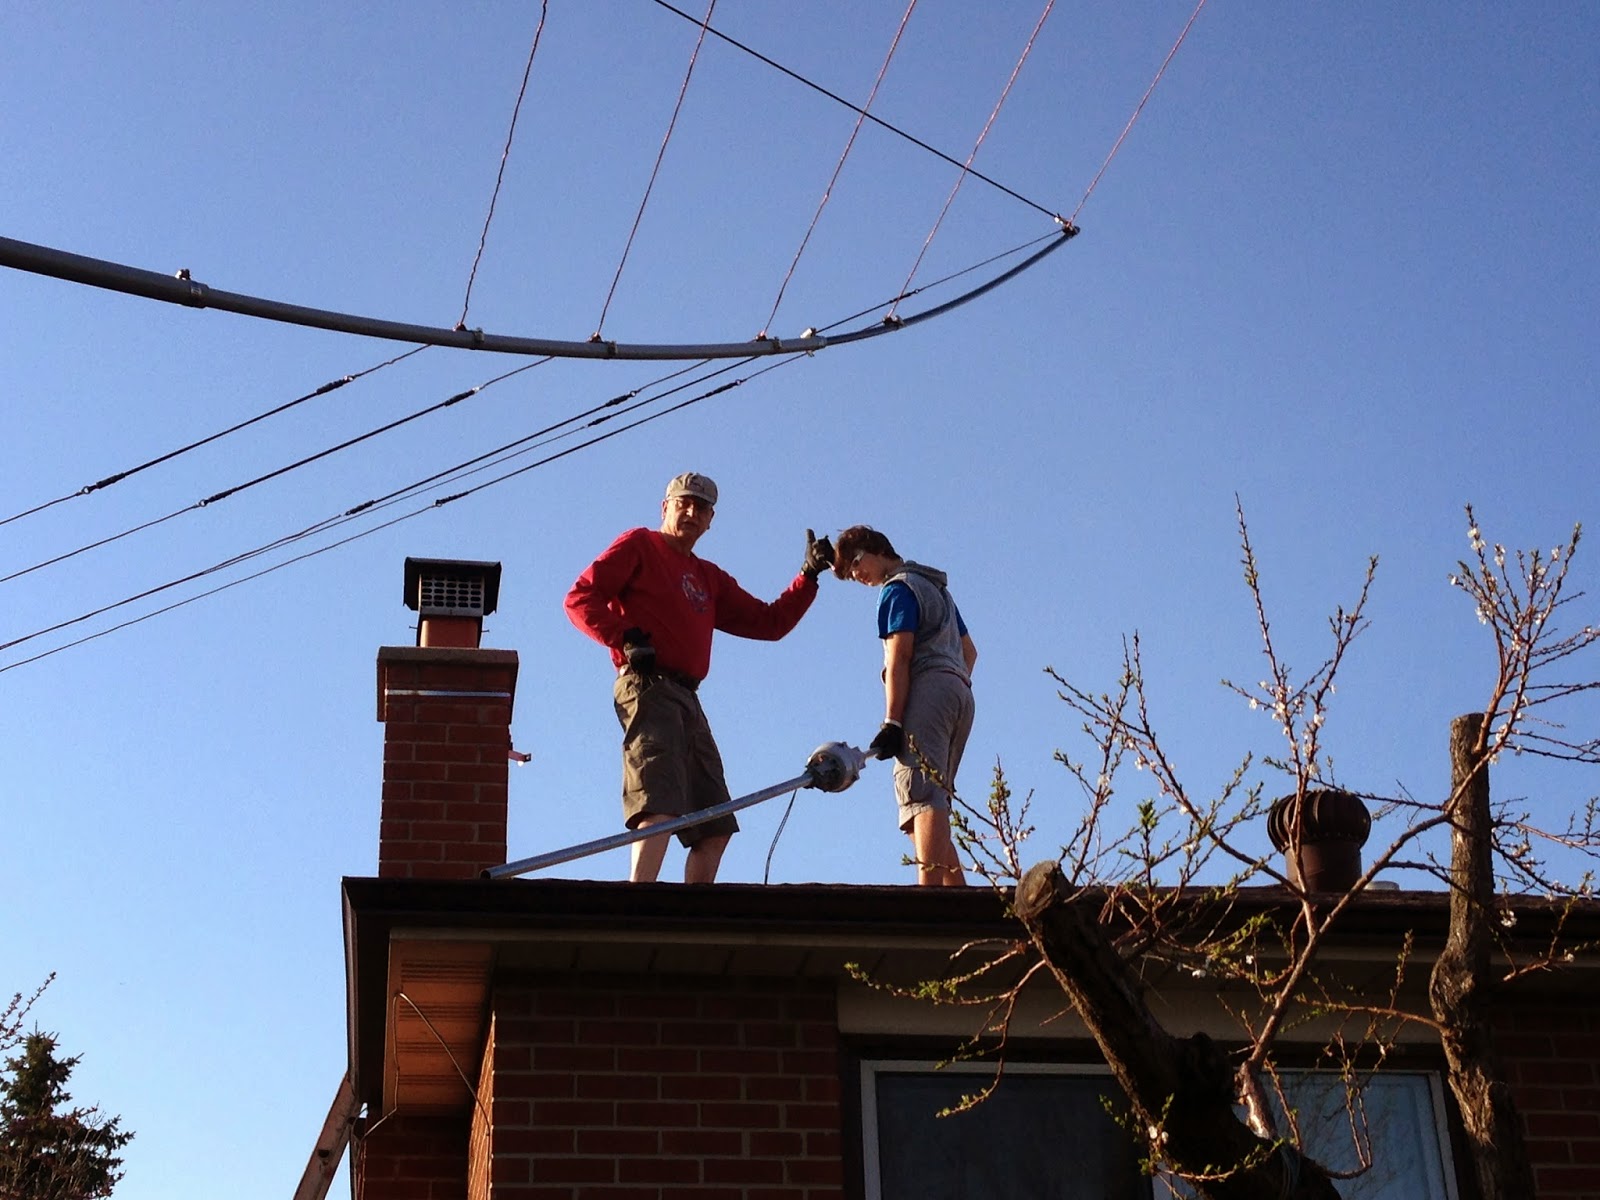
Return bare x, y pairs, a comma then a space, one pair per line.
678, 599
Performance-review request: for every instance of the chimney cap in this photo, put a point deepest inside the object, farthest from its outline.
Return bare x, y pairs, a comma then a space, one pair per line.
452, 585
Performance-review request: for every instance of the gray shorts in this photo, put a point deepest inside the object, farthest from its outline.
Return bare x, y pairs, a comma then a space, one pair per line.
670, 763
937, 721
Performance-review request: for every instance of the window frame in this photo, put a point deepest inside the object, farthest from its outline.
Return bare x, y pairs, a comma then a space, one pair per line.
867, 1066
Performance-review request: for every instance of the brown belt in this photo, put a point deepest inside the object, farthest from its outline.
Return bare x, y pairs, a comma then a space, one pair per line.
677, 677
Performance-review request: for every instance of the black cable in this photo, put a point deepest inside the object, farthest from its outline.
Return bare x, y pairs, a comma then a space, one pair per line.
487, 383
270, 475
894, 300
118, 477
279, 542
766, 872
966, 167
504, 451
359, 510
498, 455
817, 87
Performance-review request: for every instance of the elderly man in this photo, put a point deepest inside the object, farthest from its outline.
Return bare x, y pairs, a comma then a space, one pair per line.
654, 603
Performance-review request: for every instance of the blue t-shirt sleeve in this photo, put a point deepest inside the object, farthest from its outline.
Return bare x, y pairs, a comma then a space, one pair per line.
897, 610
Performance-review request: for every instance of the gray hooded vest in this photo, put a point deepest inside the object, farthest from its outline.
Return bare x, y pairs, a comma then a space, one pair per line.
937, 644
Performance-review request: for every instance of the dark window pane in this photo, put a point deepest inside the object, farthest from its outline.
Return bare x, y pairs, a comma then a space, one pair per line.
1039, 1137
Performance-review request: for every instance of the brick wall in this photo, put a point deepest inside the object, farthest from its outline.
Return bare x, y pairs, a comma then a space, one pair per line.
666, 1089
480, 1139
447, 730
1552, 1058
412, 1158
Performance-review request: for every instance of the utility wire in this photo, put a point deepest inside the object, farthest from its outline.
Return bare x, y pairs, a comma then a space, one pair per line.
816, 87
828, 191
139, 528
514, 449
654, 171
370, 506
339, 519
76, 268
1139, 108
226, 493
483, 238
245, 556
118, 477
966, 167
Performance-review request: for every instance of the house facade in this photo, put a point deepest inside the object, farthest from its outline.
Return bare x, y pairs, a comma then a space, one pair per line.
541, 1039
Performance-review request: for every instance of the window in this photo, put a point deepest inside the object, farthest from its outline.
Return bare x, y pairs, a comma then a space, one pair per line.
1405, 1120
1043, 1135
1046, 1135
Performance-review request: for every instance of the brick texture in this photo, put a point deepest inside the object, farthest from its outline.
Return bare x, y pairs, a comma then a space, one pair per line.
412, 1158
480, 1138
1551, 1053
447, 730
657, 1088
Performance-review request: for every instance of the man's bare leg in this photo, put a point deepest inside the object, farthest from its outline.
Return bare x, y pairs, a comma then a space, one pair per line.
648, 854
705, 856
938, 865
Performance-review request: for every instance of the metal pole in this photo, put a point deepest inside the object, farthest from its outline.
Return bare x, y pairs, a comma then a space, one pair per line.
180, 289
539, 861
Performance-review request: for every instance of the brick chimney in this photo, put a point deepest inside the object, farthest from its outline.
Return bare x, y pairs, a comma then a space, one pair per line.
446, 707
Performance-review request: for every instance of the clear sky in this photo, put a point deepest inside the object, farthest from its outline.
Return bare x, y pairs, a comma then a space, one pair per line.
1344, 268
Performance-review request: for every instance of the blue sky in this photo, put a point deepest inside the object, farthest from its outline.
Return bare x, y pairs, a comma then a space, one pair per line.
1344, 269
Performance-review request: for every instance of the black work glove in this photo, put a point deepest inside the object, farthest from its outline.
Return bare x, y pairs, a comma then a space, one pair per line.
636, 648
891, 739
819, 555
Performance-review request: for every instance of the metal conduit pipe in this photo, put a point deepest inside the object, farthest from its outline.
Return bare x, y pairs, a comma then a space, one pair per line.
180, 289
832, 767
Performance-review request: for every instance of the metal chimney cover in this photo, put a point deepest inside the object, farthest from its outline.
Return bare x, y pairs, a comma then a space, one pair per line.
452, 587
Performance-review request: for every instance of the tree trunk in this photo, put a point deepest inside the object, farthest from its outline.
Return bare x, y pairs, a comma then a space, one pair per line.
1181, 1088
1462, 982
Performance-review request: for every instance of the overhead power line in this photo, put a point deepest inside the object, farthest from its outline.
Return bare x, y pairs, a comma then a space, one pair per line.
850, 142
392, 425
280, 543
226, 493
461, 470
505, 155
837, 99
966, 167
1138, 108
672, 123
77, 268
119, 476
